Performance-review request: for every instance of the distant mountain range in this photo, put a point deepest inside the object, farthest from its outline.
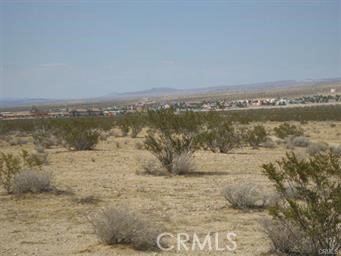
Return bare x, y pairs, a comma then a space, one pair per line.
162, 92
159, 92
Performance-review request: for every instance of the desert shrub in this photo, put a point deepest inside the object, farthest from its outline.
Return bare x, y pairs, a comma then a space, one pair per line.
166, 147
32, 181
39, 148
103, 135
79, 138
336, 150
286, 129
11, 165
153, 167
301, 141
131, 121
17, 141
287, 238
171, 135
182, 164
316, 148
31, 160
248, 196
39, 157
255, 136
121, 226
316, 213
45, 138
124, 127
221, 138
268, 143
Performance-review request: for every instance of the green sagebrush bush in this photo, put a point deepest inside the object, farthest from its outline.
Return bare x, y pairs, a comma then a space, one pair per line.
316, 212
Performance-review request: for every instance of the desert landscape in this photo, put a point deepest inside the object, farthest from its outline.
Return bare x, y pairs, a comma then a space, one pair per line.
170, 127
57, 223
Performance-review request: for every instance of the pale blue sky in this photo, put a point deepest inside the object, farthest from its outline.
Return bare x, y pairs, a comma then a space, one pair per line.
58, 49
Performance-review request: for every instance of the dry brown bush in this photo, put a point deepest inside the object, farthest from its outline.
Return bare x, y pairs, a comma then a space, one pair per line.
286, 239
182, 164
32, 181
316, 148
121, 226
248, 196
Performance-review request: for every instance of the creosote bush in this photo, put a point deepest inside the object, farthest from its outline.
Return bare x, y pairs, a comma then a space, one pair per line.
170, 136
221, 138
78, 138
316, 213
121, 226
166, 147
255, 136
286, 129
10, 165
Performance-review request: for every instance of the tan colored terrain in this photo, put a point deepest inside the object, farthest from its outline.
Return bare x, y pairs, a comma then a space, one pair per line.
51, 224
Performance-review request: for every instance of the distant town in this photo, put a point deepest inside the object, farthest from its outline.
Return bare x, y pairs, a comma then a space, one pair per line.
178, 105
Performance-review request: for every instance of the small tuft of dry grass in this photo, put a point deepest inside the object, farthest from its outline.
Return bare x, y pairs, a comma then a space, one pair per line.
121, 226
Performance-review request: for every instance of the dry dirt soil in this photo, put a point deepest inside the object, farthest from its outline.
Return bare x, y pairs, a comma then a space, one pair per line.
56, 224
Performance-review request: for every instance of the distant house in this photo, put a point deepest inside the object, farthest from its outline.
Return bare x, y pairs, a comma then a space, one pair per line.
79, 112
86, 112
59, 114
95, 112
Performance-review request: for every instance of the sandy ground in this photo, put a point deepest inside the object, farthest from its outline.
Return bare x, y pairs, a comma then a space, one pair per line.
51, 224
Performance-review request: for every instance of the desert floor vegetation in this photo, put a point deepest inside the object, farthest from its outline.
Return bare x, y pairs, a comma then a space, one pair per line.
50, 224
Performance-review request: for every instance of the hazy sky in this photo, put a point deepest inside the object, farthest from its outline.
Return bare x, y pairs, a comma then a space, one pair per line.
60, 49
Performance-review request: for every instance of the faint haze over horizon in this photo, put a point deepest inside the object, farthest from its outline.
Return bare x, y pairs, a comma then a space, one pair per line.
77, 49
